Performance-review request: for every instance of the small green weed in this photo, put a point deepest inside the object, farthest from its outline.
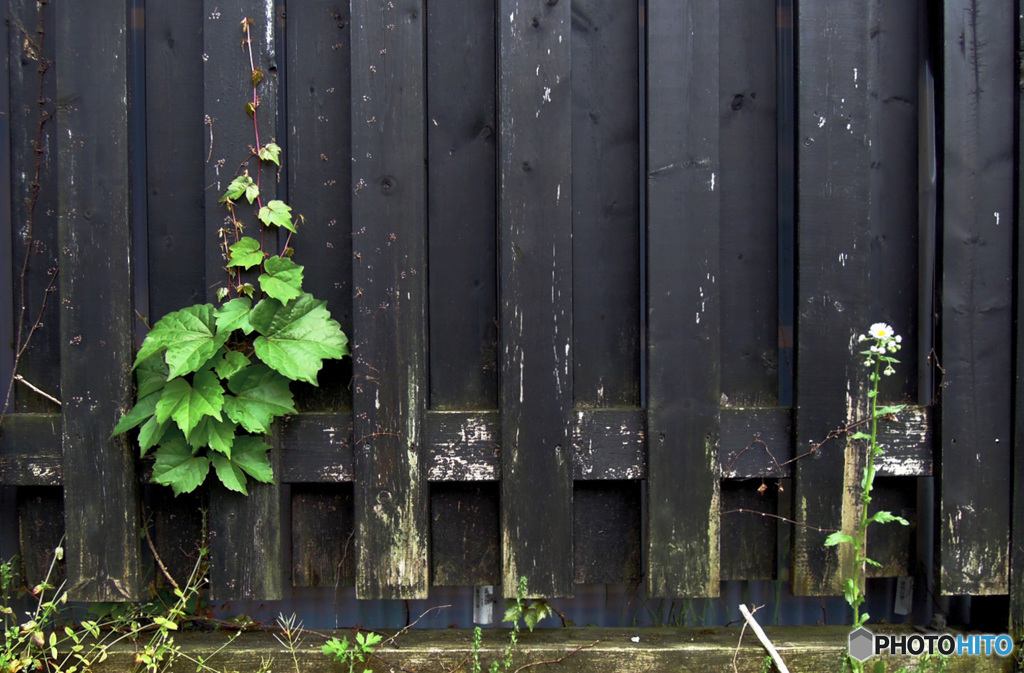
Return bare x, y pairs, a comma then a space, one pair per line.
350, 653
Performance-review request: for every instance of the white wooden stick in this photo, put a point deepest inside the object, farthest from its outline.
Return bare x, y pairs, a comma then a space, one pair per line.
779, 664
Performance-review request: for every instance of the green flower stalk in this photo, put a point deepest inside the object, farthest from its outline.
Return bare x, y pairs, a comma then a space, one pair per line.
882, 343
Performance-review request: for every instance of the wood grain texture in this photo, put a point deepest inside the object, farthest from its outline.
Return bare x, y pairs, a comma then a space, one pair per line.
319, 169
683, 304
857, 250
96, 320
177, 143
462, 209
389, 298
977, 291
33, 241
1017, 508
535, 269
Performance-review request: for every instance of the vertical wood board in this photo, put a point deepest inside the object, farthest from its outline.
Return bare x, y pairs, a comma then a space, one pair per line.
977, 293
96, 319
462, 141
246, 551
389, 295
683, 301
535, 290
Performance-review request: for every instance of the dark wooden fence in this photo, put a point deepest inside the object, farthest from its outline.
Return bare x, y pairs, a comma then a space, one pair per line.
593, 307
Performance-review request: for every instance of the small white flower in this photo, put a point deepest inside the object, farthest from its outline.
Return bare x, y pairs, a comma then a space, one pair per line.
899, 339
889, 371
880, 330
862, 337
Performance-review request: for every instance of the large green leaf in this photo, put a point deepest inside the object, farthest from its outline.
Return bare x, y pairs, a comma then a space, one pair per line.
152, 433
176, 467
189, 337
229, 474
150, 376
188, 404
241, 185
282, 280
245, 253
216, 434
297, 336
232, 363
234, 315
278, 214
250, 454
261, 394
140, 413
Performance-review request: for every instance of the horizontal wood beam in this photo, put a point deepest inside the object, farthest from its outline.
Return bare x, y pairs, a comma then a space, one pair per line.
466, 446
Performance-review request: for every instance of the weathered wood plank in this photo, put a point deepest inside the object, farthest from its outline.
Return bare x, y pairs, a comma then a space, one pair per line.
758, 443
683, 299
177, 144
316, 448
749, 253
606, 222
535, 289
465, 535
1017, 511
389, 350
6, 229
856, 246
749, 229
177, 528
462, 142
319, 175
463, 446
41, 528
323, 536
832, 297
977, 291
96, 319
246, 551
893, 545
33, 244
607, 532
751, 539
609, 444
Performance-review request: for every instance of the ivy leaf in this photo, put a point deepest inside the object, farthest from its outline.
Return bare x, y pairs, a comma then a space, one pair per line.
250, 454
187, 335
297, 336
234, 315
837, 538
151, 433
232, 363
894, 409
271, 152
140, 413
229, 474
882, 516
241, 185
257, 76
176, 467
216, 434
282, 280
850, 590
150, 376
261, 394
188, 404
245, 253
278, 214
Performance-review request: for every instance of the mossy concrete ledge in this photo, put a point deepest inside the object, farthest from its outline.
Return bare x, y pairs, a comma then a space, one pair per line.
804, 650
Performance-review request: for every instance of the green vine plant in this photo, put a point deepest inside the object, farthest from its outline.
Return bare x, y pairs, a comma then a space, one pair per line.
519, 608
881, 344
211, 380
